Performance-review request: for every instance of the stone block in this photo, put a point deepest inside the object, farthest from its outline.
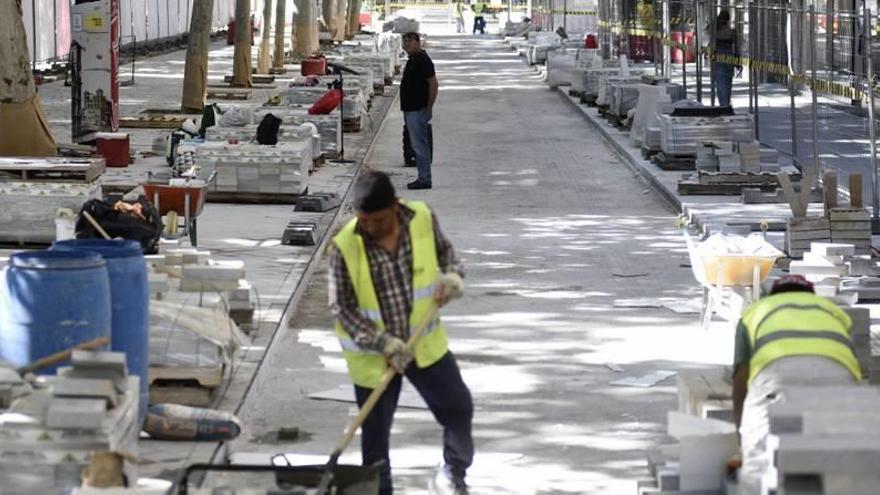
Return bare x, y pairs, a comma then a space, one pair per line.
101, 360
818, 259
92, 388
807, 268
213, 272
849, 214
833, 249
76, 413
242, 292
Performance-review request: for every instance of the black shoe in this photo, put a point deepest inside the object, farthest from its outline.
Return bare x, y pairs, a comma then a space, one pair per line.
417, 184
408, 163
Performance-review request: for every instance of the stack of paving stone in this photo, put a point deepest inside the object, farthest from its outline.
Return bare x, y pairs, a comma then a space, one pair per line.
256, 169
329, 126
239, 304
680, 135
605, 96
354, 103
382, 64
851, 226
824, 265
33, 189
802, 232
560, 67
50, 434
706, 393
286, 134
824, 440
731, 157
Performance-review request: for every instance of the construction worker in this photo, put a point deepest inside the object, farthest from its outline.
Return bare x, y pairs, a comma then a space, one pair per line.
479, 8
792, 337
390, 268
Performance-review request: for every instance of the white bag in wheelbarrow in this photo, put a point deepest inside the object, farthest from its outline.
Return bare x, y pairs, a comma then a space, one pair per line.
733, 258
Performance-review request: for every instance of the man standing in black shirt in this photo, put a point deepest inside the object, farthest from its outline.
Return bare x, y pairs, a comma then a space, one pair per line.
418, 92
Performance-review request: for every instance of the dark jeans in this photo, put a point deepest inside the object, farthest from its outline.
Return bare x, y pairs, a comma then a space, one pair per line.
449, 400
724, 83
479, 24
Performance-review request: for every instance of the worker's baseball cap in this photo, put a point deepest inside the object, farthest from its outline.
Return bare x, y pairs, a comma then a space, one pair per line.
372, 192
791, 283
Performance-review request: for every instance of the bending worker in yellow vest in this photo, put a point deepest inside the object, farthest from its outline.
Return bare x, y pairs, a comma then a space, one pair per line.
389, 268
790, 338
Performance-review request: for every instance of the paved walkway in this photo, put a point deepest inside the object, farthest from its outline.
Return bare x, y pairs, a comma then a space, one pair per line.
552, 228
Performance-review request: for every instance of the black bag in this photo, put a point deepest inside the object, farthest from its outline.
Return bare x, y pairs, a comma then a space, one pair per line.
122, 224
267, 131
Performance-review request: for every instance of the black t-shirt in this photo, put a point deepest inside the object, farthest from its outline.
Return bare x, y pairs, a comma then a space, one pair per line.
414, 85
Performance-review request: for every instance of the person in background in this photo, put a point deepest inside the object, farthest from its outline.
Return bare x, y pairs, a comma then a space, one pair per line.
458, 11
479, 8
725, 48
418, 92
789, 338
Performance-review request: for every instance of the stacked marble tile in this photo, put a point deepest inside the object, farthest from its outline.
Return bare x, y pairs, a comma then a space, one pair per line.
329, 126
27, 209
824, 440
254, 168
560, 68
354, 103
50, 434
608, 83
680, 135
851, 226
286, 134
382, 64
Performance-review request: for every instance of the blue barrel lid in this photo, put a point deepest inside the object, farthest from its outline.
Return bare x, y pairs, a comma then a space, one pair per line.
56, 260
108, 248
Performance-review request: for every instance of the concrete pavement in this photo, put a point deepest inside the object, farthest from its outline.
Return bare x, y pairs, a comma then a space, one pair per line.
553, 229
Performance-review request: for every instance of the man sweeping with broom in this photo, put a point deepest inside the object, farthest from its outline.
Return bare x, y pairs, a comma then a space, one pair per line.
390, 268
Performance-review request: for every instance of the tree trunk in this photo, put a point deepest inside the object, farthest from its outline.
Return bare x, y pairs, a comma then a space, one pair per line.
278, 60
341, 19
305, 29
241, 58
329, 15
195, 72
354, 17
25, 129
263, 59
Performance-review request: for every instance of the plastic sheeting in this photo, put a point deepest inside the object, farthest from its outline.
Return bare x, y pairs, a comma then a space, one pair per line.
560, 68
143, 20
680, 135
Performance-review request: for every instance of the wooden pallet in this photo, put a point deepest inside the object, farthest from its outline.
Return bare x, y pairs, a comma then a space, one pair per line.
768, 178
352, 125
648, 153
203, 376
227, 93
691, 185
153, 122
278, 70
255, 78
51, 169
673, 162
575, 93
180, 394
589, 100
379, 89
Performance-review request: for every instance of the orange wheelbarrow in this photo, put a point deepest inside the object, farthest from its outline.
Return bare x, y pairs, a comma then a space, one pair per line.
186, 201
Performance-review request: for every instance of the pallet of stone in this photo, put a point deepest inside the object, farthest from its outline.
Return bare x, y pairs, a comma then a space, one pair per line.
800, 233
680, 135
352, 124
354, 104
228, 93
253, 169
48, 439
256, 78
329, 126
170, 121
286, 134
671, 162
851, 226
51, 169
28, 209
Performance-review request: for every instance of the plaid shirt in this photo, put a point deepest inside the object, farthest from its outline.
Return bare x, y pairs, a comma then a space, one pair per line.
392, 279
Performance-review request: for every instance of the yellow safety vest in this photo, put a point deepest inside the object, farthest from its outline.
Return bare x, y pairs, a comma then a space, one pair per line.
479, 7
798, 324
366, 366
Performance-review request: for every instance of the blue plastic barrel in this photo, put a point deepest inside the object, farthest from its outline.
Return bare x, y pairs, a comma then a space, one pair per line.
51, 301
130, 299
